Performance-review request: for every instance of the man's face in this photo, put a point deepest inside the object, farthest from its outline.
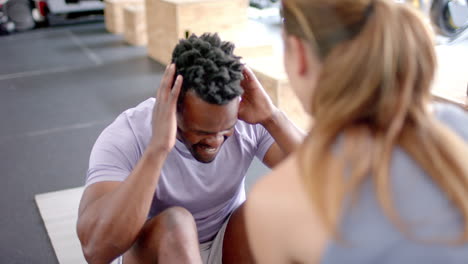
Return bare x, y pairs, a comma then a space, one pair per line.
204, 127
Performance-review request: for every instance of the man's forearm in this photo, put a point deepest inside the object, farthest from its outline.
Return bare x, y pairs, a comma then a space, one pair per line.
110, 225
287, 135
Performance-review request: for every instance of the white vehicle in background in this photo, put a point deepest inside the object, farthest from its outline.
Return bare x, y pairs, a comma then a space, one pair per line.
21, 15
449, 17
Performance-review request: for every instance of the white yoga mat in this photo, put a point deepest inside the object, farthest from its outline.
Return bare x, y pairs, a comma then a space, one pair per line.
59, 210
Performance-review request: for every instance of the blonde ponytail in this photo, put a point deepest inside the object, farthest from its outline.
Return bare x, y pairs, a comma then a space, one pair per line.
373, 90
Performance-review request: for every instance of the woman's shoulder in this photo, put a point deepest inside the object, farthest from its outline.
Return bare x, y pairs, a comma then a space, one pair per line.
275, 190
454, 117
281, 222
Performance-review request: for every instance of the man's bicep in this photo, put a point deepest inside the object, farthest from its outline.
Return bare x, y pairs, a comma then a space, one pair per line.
273, 156
96, 191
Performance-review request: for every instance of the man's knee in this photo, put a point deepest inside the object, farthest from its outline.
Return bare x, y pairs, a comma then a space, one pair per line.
176, 217
179, 223
174, 225
170, 233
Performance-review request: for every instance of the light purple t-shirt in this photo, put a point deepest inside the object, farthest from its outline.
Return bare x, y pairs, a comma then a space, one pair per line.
211, 192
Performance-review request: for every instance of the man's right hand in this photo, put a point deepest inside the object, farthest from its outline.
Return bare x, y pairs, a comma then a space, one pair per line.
164, 122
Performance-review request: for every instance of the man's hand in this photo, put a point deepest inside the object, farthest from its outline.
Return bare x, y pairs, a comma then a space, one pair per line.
164, 122
256, 106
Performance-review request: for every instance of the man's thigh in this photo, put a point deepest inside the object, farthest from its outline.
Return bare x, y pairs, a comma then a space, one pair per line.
148, 237
235, 244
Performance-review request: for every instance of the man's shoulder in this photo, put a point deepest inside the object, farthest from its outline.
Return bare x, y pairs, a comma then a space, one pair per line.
254, 134
132, 123
139, 115
142, 110
245, 129
243, 125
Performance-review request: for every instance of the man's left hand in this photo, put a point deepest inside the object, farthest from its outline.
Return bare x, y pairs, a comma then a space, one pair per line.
256, 106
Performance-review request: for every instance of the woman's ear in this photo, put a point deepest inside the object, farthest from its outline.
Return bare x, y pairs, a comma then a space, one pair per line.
297, 50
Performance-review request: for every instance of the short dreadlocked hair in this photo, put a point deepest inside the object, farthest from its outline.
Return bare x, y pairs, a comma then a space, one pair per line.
209, 68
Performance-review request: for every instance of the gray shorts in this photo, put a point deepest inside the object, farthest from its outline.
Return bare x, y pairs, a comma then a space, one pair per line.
211, 252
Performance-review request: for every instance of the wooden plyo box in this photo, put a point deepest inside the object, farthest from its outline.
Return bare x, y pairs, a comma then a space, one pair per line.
168, 21
252, 41
270, 72
451, 80
135, 24
114, 14
453, 94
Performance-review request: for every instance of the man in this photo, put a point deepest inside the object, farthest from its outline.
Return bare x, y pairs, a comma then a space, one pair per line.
166, 178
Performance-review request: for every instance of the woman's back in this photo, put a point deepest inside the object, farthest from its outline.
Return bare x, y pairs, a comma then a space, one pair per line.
368, 234
428, 215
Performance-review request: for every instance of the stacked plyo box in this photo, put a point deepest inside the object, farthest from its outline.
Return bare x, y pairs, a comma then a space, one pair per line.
114, 14
271, 74
168, 21
451, 78
135, 24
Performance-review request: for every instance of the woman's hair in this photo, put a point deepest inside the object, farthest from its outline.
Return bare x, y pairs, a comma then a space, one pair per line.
378, 63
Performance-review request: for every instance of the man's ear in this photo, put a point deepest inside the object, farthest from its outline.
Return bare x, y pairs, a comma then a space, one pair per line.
180, 103
179, 119
179, 111
298, 51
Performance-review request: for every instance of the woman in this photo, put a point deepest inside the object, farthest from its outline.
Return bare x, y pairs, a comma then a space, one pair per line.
383, 175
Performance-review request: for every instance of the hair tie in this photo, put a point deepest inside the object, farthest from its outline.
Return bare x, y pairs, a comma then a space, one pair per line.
369, 10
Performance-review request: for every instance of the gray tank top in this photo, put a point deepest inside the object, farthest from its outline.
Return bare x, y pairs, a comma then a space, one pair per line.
371, 237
